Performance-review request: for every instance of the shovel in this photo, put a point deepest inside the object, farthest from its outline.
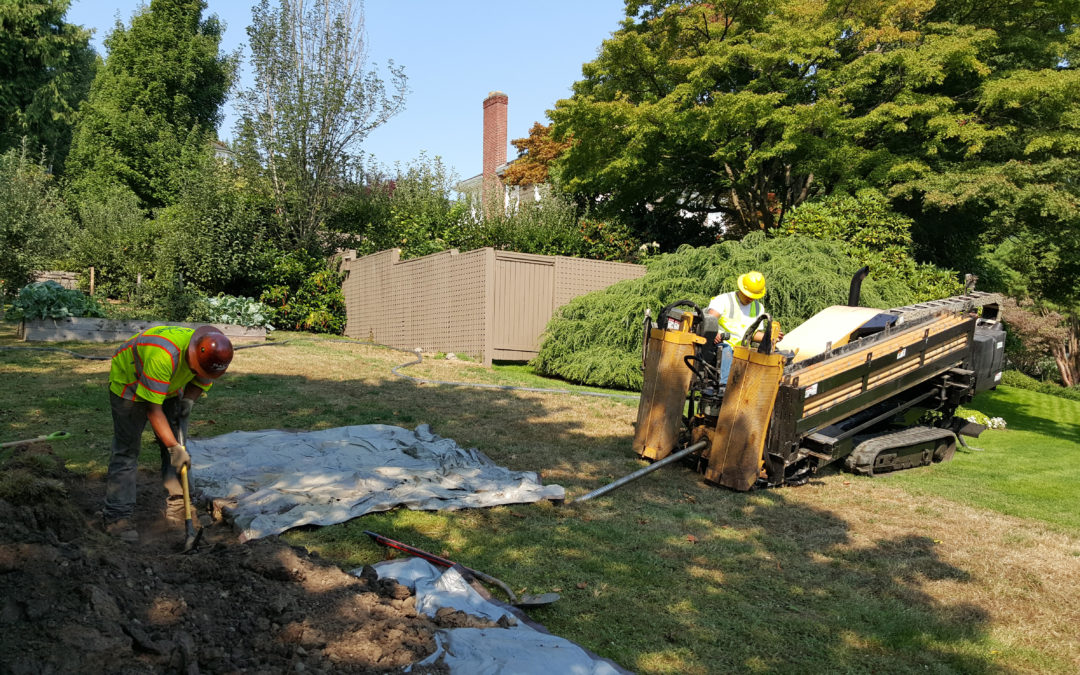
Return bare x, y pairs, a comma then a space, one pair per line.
523, 601
54, 436
192, 536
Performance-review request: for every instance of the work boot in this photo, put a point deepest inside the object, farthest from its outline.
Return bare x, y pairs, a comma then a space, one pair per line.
174, 511
123, 529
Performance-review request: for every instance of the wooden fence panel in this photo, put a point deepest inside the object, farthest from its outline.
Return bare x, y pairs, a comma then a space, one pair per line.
524, 301
486, 304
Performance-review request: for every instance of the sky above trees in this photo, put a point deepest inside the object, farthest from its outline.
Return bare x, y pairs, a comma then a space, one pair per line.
453, 54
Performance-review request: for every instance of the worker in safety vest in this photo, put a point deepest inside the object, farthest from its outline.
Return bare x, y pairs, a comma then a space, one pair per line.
735, 311
156, 376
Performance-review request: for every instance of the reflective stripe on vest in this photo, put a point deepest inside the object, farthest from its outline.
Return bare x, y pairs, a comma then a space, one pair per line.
143, 340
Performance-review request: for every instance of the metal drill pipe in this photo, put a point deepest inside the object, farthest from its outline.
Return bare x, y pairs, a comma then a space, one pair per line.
641, 472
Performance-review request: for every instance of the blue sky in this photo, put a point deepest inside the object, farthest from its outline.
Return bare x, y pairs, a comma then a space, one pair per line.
454, 53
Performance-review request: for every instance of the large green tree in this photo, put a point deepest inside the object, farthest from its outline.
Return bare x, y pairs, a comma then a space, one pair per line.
750, 107
160, 91
313, 102
46, 66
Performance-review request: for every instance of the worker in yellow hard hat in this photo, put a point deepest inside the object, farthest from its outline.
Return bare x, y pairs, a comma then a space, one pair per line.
735, 311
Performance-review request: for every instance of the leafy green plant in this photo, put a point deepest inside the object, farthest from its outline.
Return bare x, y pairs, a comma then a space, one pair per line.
50, 300
317, 305
115, 238
232, 309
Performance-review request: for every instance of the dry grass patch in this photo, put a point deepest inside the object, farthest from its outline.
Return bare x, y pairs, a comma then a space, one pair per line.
1022, 577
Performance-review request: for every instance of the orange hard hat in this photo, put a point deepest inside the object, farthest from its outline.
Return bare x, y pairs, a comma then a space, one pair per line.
209, 352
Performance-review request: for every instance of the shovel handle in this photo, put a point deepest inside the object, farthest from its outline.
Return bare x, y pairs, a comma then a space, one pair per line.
412, 550
54, 436
439, 560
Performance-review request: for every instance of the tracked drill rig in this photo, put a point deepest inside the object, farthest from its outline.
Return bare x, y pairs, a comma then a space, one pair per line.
876, 389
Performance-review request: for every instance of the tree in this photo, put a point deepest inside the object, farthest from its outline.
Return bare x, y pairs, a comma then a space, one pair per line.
115, 238
160, 91
535, 155
313, 103
1034, 333
876, 236
216, 233
34, 223
46, 66
411, 209
750, 107
703, 107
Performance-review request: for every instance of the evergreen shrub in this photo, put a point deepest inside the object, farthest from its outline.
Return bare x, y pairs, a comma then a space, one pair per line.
596, 339
1015, 378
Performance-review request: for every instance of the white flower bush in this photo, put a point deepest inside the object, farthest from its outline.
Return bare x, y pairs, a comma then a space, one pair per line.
988, 422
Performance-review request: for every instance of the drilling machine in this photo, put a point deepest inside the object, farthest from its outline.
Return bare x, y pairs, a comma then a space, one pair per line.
877, 389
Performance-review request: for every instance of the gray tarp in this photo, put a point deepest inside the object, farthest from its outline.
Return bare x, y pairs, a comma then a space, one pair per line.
525, 648
283, 479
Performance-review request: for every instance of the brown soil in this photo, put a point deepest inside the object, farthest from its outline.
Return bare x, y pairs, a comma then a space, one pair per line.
73, 599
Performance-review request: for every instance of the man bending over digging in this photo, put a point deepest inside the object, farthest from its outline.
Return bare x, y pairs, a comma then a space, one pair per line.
157, 375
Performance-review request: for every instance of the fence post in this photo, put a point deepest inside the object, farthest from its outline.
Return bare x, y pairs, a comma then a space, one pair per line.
91, 280
489, 306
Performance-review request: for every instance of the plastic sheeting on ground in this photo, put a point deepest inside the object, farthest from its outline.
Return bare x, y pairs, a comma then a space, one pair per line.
277, 480
524, 648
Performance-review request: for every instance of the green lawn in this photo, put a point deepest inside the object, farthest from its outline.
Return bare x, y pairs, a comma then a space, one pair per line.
668, 574
1031, 469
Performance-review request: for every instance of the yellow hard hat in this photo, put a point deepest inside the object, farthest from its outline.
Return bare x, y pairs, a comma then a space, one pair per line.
752, 285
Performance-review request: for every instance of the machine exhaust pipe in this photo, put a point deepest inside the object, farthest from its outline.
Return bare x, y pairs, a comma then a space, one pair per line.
856, 286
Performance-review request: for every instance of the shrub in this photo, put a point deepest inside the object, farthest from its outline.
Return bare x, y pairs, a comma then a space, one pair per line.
34, 222
596, 338
550, 226
168, 298
116, 239
217, 231
50, 300
413, 210
317, 305
1014, 378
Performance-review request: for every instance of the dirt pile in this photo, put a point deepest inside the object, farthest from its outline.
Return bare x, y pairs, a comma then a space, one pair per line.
73, 599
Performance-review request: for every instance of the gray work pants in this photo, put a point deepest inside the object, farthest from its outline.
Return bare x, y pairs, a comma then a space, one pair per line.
129, 421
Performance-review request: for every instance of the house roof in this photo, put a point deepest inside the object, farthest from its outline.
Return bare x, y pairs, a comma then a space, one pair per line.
475, 182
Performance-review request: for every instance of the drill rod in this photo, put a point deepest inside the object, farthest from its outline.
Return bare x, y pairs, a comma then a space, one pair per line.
700, 445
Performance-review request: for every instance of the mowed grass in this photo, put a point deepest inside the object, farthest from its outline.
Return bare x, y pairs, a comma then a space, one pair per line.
667, 574
1031, 469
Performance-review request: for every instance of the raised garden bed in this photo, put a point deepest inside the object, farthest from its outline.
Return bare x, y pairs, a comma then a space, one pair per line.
86, 329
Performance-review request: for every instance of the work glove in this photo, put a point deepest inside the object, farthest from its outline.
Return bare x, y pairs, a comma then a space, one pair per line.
186, 404
179, 457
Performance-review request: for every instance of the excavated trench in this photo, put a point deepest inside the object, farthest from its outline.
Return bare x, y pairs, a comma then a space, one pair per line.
73, 599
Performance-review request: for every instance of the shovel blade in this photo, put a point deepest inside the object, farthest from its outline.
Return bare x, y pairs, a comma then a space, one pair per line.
191, 540
536, 600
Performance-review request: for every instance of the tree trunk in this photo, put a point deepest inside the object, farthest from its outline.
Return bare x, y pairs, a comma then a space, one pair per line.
1067, 353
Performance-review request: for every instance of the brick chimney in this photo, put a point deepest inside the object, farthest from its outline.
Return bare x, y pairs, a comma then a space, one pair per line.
495, 106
